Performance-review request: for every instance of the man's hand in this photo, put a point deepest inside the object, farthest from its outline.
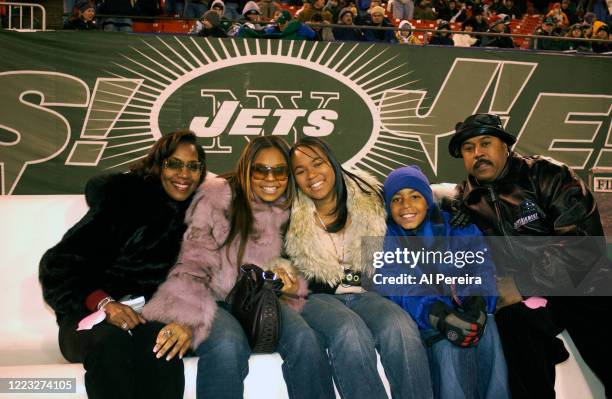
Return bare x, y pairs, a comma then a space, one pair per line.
175, 338
122, 316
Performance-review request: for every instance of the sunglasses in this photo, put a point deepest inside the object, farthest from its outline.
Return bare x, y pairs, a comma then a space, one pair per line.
260, 172
178, 165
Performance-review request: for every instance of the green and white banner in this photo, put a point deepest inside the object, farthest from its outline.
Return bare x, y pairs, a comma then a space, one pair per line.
76, 104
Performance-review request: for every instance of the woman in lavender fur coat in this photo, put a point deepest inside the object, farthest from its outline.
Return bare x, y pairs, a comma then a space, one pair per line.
235, 219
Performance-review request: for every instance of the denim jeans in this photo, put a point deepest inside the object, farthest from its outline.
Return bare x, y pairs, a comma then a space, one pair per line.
353, 327
469, 373
224, 359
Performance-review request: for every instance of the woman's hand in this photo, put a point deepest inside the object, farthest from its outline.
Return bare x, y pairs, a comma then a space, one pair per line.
122, 316
290, 283
175, 338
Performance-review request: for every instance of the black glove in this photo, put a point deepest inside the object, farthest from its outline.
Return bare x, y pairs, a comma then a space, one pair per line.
455, 325
474, 308
459, 215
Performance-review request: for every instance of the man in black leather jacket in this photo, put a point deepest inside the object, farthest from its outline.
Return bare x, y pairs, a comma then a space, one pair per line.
510, 195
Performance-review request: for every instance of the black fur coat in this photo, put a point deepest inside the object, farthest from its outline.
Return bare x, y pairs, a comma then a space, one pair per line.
125, 244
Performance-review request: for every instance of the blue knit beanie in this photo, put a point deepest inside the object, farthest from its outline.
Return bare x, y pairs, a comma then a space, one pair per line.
407, 177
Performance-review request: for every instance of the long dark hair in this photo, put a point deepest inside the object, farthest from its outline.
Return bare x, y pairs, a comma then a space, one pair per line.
340, 210
151, 165
240, 181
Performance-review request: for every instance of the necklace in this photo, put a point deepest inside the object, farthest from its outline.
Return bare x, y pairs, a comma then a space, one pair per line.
339, 254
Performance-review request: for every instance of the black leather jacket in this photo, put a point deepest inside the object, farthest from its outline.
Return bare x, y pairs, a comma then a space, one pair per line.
540, 198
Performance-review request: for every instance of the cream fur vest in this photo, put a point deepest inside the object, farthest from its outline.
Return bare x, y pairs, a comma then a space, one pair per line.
315, 258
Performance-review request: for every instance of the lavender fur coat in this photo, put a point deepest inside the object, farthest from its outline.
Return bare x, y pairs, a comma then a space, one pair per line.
204, 274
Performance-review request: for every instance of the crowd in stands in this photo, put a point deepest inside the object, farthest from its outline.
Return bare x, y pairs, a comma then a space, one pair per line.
577, 19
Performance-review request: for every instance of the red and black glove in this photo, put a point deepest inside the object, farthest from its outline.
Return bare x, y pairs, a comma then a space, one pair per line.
460, 327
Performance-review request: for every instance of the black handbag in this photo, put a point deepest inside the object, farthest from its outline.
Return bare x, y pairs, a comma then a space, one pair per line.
254, 303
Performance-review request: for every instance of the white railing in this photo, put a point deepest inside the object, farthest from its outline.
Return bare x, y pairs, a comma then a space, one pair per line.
17, 8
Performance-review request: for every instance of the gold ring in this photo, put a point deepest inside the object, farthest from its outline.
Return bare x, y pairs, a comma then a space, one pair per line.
124, 325
167, 333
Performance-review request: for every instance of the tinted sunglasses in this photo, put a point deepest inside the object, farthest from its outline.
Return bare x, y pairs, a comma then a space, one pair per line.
260, 172
178, 165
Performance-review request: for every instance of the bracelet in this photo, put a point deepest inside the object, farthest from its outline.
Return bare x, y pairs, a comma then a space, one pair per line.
104, 302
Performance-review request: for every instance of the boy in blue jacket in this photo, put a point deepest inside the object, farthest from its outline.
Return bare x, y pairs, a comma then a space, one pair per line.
465, 355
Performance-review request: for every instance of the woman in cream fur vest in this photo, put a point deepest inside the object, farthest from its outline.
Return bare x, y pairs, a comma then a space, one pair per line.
332, 211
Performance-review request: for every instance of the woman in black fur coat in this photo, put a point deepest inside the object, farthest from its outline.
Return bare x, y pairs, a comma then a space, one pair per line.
125, 245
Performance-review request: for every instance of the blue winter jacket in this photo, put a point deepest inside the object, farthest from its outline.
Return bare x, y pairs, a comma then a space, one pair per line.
416, 301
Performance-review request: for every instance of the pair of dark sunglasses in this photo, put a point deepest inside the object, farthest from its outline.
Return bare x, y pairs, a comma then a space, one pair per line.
178, 165
260, 172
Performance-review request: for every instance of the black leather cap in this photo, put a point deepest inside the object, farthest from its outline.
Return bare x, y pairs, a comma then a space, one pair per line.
478, 125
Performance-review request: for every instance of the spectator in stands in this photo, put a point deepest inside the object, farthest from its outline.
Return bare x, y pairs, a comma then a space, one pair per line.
441, 37
569, 9
498, 26
490, 9
345, 17
558, 15
405, 35
235, 219
125, 245
323, 34
466, 39
268, 8
174, 8
446, 11
401, 9
251, 16
333, 211
116, 7
210, 25
195, 8
462, 13
218, 6
456, 323
318, 7
423, 11
510, 9
85, 18
576, 31
333, 7
548, 28
603, 33
480, 23
290, 29
306, 6
377, 18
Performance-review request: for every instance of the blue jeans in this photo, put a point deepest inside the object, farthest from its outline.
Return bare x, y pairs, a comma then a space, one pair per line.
224, 359
353, 327
469, 373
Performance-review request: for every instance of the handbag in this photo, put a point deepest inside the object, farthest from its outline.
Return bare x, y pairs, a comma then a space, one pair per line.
254, 303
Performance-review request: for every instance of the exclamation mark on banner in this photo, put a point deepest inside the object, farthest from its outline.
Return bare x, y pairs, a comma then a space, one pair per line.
110, 98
